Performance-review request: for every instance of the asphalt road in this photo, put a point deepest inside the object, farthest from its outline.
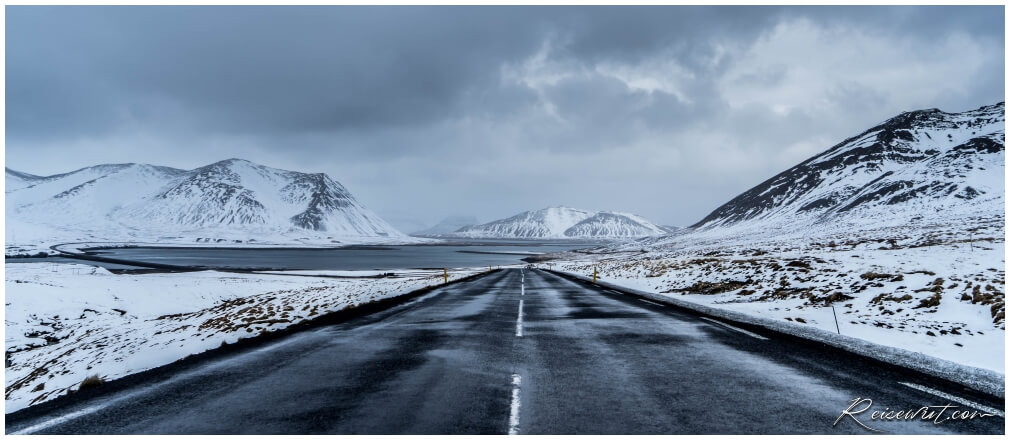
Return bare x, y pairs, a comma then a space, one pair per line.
522, 352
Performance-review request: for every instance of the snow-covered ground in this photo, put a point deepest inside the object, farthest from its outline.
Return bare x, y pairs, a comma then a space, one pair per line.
40, 239
65, 322
929, 288
898, 231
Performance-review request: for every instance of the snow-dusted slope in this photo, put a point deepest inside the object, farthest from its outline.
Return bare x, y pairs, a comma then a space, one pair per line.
613, 224
563, 222
87, 196
915, 164
18, 180
233, 200
448, 225
895, 236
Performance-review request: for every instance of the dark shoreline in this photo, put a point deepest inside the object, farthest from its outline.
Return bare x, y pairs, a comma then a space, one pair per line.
530, 243
124, 261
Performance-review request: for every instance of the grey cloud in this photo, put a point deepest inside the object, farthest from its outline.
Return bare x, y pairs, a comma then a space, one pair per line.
924, 22
258, 68
631, 33
409, 106
600, 112
768, 77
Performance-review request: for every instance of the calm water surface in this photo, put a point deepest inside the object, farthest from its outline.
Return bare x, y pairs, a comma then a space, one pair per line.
349, 258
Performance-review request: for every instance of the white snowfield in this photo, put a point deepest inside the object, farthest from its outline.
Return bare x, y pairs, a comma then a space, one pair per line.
933, 292
232, 202
899, 232
561, 222
65, 322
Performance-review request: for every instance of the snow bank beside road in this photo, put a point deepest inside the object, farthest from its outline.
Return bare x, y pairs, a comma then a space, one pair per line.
922, 288
65, 322
977, 378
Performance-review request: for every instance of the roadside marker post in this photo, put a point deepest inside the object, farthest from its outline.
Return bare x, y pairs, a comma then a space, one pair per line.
445, 276
594, 275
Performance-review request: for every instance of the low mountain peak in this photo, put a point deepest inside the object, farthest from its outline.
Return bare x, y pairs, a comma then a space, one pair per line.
562, 222
234, 161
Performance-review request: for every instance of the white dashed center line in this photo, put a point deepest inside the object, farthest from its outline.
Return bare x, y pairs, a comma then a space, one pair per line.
514, 411
519, 320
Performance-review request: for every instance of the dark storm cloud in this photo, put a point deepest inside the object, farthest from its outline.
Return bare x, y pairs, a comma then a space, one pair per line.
631, 33
384, 98
259, 69
86, 70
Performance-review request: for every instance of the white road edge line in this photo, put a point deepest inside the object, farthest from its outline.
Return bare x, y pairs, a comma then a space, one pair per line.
651, 302
953, 398
753, 335
55, 421
514, 411
519, 320
67, 417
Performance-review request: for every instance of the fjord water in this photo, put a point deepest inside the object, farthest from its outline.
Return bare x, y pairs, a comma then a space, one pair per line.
345, 258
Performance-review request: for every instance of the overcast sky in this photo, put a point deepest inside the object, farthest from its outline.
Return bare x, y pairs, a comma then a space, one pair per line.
427, 112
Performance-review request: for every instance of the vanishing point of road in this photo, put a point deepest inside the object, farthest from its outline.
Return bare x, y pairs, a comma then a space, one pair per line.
520, 352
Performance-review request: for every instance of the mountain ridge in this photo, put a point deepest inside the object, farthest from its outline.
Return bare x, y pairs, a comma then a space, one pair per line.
235, 199
916, 154
447, 225
562, 222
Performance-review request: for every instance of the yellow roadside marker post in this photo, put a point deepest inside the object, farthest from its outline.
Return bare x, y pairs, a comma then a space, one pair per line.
445, 275
594, 275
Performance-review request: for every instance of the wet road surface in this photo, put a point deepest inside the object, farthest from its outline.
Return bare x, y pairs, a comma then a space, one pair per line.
521, 352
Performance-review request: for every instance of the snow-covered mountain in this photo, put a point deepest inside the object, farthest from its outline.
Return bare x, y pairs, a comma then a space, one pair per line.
895, 236
614, 224
915, 164
232, 200
448, 225
560, 222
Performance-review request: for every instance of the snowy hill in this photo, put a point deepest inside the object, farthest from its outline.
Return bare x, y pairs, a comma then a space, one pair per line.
915, 164
229, 201
563, 222
448, 225
895, 236
18, 180
613, 224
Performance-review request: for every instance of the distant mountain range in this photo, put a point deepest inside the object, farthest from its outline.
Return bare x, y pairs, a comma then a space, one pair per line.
917, 164
231, 200
560, 222
448, 225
